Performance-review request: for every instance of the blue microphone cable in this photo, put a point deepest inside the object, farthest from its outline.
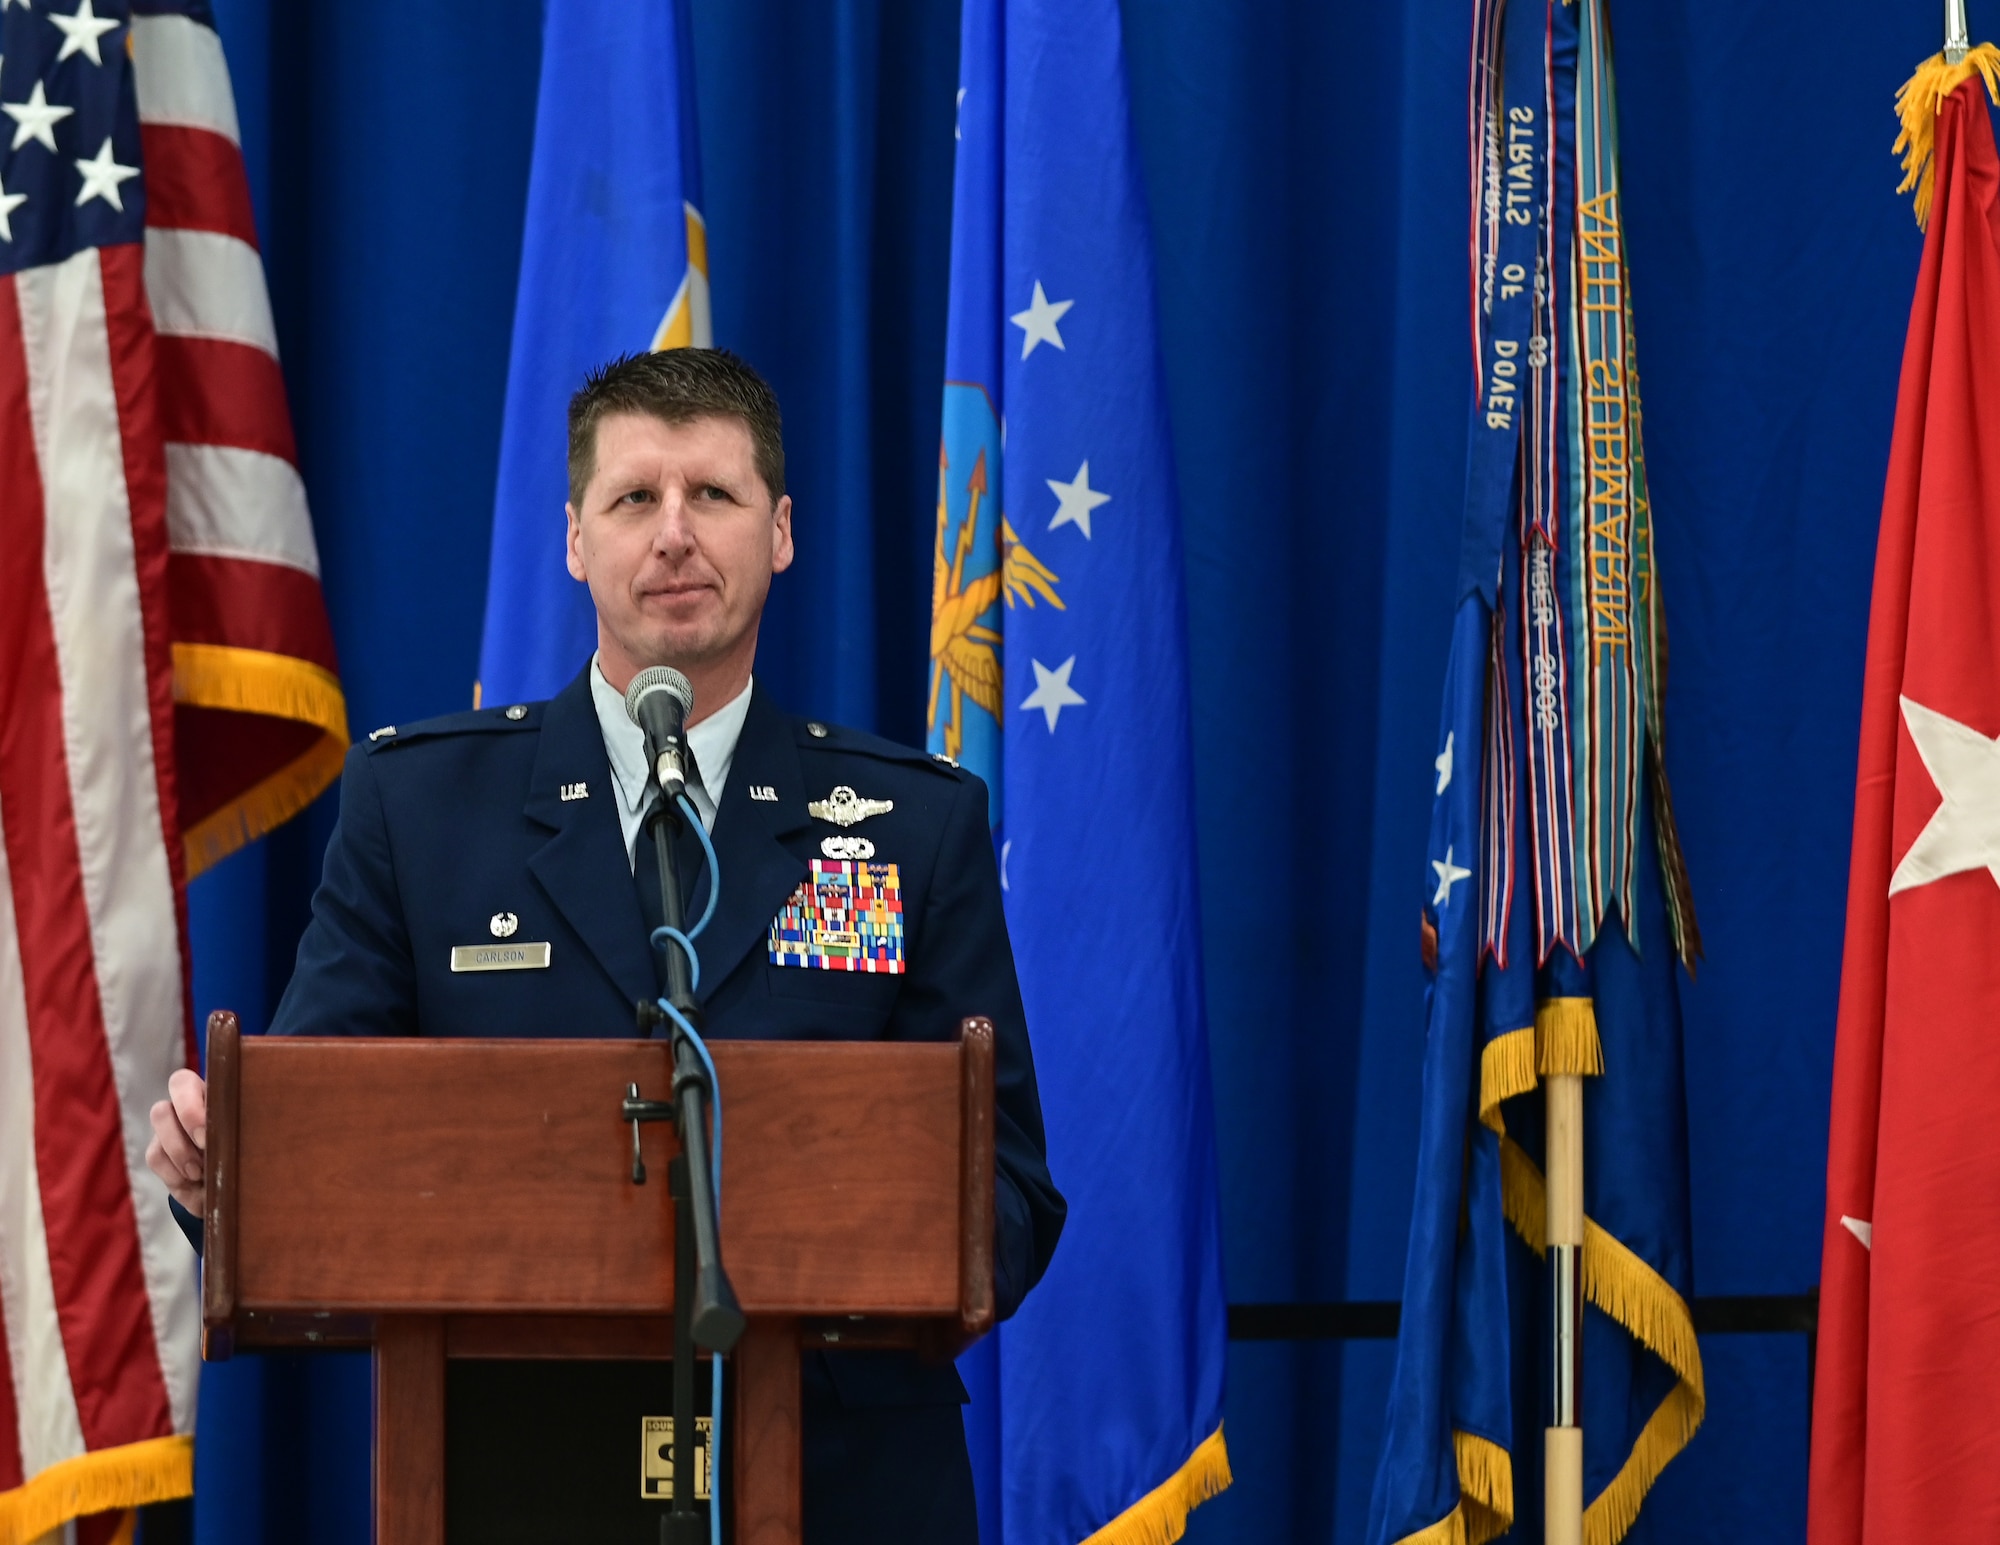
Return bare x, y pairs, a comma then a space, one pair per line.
685, 943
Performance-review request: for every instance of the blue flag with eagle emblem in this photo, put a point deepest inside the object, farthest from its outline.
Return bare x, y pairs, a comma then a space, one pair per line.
1059, 674
614, 260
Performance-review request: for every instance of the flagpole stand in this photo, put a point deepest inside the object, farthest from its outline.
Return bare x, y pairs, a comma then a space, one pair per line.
1562, 1508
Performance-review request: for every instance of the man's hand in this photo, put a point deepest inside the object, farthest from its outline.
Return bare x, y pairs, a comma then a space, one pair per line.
180, 1135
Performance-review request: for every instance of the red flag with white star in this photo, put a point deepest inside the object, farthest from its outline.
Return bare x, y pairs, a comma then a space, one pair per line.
1905, 1443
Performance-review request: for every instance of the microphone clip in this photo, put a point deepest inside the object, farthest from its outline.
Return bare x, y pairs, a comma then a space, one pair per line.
670, 768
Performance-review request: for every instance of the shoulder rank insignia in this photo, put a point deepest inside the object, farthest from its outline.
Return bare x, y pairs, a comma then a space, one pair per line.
844, 807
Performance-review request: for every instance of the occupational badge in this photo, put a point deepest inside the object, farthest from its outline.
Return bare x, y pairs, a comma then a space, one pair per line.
844, 807
845, 916
847, 847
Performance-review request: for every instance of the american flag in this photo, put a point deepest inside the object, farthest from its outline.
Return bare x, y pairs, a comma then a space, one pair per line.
167, 693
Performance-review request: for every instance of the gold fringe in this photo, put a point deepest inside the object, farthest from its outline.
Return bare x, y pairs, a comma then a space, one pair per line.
131, 1475
257, 681
1638, 1298
1918, 103
1566, 1038
1506, 1068
276, 686
1448, 1530
1486, 1486
1563, 1039
1523, 1197
1485, 1509
1665, 1434
1160, 1517
128, 1527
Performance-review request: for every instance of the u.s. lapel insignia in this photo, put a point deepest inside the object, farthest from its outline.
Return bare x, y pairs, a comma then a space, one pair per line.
844, 807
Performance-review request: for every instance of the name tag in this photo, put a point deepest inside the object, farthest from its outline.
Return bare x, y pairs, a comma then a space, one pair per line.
500, 957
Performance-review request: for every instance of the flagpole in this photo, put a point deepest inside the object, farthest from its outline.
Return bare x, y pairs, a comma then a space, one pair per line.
1563, 1454
1957, 36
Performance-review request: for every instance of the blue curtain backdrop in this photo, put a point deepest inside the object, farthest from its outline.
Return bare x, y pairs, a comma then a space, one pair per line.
1306, 168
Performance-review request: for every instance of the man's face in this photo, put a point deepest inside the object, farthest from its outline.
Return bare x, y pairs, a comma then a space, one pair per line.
677, 538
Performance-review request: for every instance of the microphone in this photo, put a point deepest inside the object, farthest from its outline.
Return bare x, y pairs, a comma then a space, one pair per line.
659, 701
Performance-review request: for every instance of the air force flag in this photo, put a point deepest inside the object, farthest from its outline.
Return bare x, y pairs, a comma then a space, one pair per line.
614, 260
1059, 673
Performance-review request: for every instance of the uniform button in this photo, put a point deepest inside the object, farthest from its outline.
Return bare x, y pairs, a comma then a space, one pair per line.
816, 730
517, 712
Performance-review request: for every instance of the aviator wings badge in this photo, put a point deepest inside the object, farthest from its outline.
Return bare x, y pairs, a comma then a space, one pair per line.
844, 807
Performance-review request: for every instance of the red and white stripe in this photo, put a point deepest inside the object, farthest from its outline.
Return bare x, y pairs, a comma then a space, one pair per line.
233, 488
244, 569
96, 1286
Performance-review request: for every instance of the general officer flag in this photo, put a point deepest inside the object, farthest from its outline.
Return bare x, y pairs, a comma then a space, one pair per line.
614, 260
1555, 902
1059, 673
1904, 1445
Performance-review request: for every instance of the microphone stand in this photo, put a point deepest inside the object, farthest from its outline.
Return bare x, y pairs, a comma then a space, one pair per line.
705, 1309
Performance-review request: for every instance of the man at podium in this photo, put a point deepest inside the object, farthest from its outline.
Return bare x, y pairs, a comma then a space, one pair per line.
490, 876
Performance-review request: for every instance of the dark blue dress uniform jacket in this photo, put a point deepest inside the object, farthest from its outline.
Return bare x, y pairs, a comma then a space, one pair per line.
443, 824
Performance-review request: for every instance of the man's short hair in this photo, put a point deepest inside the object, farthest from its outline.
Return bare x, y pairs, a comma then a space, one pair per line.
676, 386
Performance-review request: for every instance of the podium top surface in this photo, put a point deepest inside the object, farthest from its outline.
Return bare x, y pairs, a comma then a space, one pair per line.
456, 1176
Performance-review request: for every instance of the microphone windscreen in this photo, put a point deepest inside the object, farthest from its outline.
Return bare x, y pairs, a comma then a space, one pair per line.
658, 678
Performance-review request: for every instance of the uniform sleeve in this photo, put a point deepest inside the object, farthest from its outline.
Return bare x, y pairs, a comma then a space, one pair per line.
187, 1222
964, 965
354, 974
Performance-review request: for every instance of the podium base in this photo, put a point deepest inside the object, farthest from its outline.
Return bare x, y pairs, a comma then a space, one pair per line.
542, 1450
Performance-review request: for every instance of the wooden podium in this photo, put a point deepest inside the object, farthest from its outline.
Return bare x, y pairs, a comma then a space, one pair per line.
474, 1199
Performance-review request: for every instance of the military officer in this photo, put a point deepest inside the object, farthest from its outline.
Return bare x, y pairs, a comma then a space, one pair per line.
522, 823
